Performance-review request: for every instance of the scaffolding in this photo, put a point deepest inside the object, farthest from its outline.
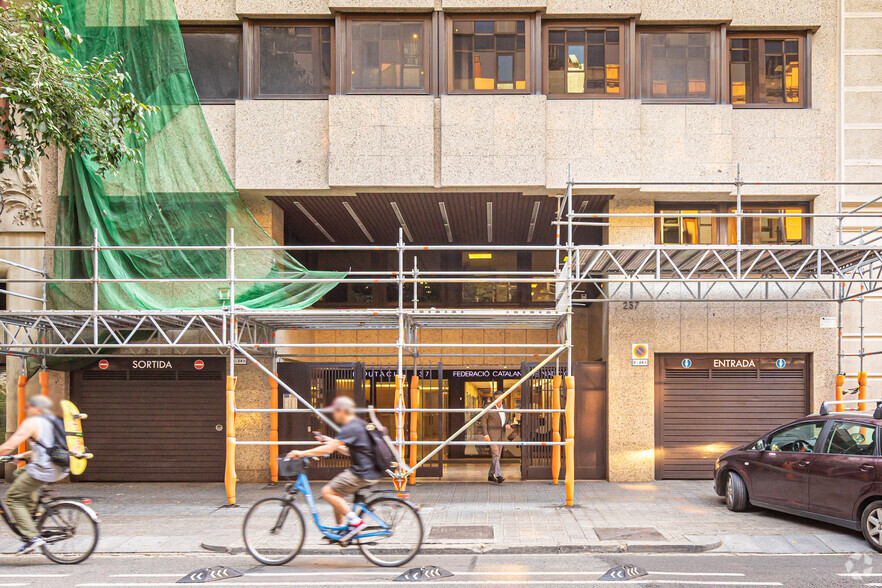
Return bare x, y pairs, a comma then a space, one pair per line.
841, 271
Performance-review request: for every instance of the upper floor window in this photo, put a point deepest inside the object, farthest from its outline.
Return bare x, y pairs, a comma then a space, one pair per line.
766, 70
388, 55
686, 230
293, 60
772, 228
676, 66
584, 60
488, 55
213, 55
494, 263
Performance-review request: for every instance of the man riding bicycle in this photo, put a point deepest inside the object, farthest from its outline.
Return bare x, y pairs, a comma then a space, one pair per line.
38, 430
352, 440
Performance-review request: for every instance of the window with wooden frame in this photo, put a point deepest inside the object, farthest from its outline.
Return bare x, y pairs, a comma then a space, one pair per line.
678, 65
767, 70
772, 228
686, 230
214, 55
293, 60
585, 59
388, 54
488, 54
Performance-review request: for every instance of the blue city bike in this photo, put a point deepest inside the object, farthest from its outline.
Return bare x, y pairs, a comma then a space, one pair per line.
274, 528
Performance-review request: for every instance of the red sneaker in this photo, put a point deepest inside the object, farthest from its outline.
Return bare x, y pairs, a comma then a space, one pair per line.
354, 529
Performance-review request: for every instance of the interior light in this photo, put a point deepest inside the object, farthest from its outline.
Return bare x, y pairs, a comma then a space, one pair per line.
416, 36
480, 256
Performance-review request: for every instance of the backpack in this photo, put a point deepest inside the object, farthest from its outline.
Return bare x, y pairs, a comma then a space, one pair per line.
385, 454
57, 450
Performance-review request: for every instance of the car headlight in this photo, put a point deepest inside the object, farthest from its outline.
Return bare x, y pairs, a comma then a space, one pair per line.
717, 465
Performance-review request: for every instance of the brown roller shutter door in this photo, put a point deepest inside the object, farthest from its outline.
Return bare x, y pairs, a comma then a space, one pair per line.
719, 402
156, 423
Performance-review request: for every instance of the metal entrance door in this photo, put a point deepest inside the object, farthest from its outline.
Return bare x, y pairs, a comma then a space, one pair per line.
536, 393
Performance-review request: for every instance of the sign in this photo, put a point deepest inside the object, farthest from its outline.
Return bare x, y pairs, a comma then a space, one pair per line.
640, 354
210, 575
198, 364
828, 322
423, 574
735, 363
103, 364
151, 364
240, 361
623, 572
780, 363
686, 363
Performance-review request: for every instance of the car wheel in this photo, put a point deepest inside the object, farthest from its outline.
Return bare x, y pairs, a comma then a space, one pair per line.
736, 493
871, 524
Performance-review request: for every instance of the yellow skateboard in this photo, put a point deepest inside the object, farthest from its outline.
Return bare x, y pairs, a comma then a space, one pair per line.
73, 430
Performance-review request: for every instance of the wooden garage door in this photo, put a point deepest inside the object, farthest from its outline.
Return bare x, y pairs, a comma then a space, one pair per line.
153, 422
705, 405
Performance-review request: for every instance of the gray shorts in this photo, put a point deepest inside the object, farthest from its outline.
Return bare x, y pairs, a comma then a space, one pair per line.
346, 483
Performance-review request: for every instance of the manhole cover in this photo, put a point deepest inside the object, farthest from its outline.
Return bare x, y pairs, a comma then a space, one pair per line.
461, 532
629, 534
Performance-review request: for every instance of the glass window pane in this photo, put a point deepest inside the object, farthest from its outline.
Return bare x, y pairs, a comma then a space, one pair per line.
764, 71
489, 292
592, 61
213, 59
490, 55
799, 438
387, 55
675, 65
294, 60
852, 439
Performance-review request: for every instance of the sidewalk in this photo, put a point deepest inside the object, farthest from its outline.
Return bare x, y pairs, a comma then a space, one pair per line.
473, 518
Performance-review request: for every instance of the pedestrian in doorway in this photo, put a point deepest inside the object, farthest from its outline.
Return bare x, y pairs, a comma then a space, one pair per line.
495, 425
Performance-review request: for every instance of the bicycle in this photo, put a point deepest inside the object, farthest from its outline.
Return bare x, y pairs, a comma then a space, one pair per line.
69, 527
274, 528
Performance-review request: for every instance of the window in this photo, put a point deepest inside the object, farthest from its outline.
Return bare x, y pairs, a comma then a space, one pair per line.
800, 438
489, 55
851, 439
771, 229
676, 66
489, 292
388, 55
676, 230
765, 70
357, 294
585, 60
293, 61
427, 292
542, 261
213, 55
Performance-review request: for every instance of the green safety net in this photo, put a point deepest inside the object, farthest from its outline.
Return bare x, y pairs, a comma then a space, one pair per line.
178, 194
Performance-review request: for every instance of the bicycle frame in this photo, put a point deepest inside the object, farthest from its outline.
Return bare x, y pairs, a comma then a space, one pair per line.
335, 532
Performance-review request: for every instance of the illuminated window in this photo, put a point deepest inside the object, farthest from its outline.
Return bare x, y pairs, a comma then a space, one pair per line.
676, 230
489, 55
766, 70
585, 60
676, 66
213, 57
293, 61
772, 228
388, 55
542, 261
489, 291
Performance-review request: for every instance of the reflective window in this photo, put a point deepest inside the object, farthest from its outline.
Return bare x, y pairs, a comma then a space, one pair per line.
542, 261
765, 70
489, 55
388, 54
585, 60
213, 58
686, 230
676, 66
852, 439
800, 438
491, 262
293, 61
773, 228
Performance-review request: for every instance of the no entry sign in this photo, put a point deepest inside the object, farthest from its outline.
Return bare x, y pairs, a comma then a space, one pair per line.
103, 364
198, 364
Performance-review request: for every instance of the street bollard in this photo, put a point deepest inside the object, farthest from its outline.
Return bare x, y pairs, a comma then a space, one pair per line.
274, 429
840, 382
555, 430
230, 469
414, 425
570, 447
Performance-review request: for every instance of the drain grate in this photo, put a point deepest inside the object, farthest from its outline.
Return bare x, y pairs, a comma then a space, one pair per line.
629, 534
461, 532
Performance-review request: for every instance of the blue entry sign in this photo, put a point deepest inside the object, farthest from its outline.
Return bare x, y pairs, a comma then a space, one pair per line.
780, 363
686, 363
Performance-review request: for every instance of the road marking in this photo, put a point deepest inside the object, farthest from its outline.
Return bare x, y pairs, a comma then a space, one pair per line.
463, 583
473, 573
5, 575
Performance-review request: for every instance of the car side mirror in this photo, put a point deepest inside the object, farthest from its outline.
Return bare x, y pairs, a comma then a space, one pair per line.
761, 445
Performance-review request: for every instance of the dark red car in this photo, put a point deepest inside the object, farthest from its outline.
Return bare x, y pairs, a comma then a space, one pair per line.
823, 466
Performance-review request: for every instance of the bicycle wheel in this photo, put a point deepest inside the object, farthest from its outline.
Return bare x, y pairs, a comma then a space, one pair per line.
273, 531
70, 532
405, 532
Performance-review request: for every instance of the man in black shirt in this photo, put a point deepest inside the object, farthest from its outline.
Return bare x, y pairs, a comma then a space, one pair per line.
352, 440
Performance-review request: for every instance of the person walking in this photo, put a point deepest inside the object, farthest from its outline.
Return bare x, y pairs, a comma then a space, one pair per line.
495, 427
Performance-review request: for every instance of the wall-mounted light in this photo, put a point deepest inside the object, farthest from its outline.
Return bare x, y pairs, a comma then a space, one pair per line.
480, 256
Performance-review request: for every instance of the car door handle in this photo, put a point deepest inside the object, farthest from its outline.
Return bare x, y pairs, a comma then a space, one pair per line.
867, 468
803, 463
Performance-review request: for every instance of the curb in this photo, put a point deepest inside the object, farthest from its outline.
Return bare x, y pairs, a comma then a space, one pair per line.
613, 547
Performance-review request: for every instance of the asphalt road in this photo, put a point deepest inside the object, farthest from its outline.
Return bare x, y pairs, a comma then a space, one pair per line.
469, 570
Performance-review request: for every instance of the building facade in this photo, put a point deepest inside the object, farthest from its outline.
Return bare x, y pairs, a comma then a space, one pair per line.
458, 121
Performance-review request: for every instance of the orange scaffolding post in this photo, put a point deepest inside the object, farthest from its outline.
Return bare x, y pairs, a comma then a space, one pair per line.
274, 429
414, 425
22, 400
44, 383
230, 469
555, 430
570, 447
840, 382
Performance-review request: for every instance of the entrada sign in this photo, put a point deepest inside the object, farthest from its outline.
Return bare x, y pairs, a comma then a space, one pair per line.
734, 363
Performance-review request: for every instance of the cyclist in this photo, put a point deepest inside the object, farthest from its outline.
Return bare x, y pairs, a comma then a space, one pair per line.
352, 440
21, 499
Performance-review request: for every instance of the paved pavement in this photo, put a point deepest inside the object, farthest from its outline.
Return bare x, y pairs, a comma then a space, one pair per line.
687, 571
526, 517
